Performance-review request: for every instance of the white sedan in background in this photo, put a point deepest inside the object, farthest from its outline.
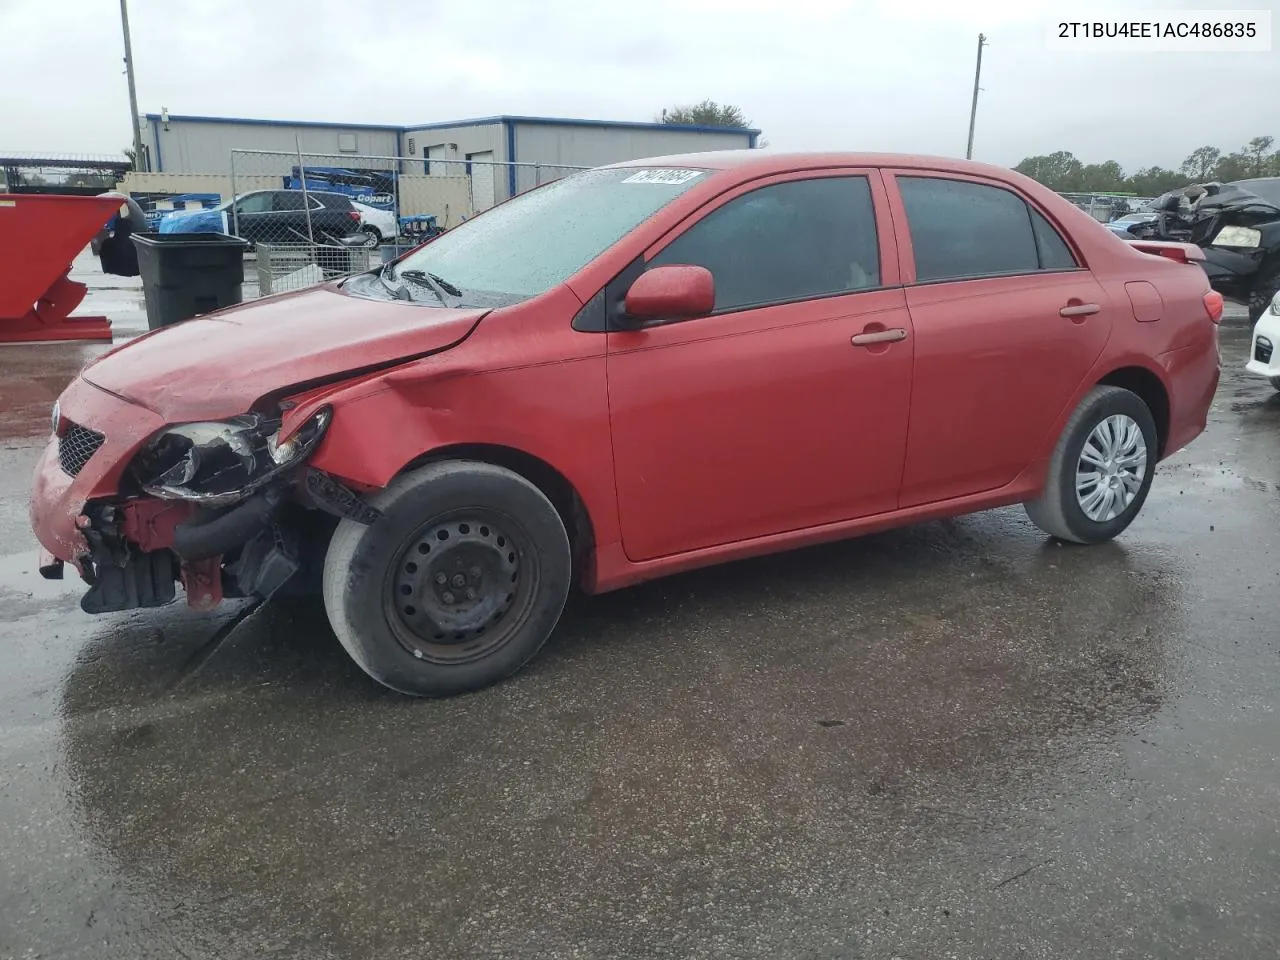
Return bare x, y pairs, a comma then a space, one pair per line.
1264, 360
378, 225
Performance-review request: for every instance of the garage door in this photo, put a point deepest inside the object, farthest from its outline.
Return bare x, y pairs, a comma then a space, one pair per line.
482, 181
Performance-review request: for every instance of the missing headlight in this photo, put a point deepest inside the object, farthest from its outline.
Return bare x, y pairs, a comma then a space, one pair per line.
220, 462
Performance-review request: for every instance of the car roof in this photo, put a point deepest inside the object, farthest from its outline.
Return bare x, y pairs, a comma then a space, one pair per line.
1270, 187
763, 162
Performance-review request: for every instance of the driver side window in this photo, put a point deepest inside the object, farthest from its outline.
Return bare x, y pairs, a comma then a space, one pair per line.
789, 241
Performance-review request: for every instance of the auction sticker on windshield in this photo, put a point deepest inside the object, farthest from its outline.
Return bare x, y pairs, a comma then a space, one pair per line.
672, 177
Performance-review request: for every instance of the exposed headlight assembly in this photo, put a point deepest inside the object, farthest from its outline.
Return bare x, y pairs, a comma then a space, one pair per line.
223, 461
1245, 237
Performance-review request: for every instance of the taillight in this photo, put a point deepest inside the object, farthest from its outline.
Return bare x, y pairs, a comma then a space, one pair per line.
1213, 305
354, 215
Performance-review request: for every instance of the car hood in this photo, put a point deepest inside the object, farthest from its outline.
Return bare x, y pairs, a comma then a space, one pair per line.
219, 365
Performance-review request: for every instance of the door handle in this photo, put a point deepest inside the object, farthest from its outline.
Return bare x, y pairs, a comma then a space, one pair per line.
879, 336
1079, 310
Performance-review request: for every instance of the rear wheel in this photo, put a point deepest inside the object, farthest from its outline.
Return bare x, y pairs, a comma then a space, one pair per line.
456, 587
1101, 469
372, 236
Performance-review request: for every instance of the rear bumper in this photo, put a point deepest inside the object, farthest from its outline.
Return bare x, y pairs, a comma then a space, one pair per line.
1193, 374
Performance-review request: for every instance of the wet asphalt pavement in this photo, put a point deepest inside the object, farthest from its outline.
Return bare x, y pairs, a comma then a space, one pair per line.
954, 740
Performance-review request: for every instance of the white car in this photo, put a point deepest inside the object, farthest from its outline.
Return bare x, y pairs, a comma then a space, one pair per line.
378, 225
1264, 360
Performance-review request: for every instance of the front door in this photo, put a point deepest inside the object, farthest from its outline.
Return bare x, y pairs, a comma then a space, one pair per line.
786, 407
1007, 325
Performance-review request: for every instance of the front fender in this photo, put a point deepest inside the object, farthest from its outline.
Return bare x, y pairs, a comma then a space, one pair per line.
557, 413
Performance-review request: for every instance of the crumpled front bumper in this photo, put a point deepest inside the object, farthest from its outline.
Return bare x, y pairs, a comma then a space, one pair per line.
56, 508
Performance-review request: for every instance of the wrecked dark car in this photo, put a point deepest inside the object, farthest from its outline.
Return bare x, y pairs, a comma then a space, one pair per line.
1236, 224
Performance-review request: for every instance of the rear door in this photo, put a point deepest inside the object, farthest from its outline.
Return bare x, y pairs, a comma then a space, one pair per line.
289, 216
786, 407
1008, 321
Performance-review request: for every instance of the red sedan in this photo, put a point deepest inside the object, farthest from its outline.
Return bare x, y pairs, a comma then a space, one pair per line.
636, 370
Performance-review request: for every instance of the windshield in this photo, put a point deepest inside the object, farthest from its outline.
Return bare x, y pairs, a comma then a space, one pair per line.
539, 239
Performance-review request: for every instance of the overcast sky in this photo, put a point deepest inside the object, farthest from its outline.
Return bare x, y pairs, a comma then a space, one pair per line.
890, 75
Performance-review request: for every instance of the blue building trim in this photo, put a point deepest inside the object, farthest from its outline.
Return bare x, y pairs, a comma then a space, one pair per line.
155, 135
511, 157
571, 122
508, 121
253, 121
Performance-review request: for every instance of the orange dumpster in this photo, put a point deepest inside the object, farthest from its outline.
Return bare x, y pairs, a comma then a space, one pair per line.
40, 235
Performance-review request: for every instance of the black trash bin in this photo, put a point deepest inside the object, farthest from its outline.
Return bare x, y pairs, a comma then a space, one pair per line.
185, 274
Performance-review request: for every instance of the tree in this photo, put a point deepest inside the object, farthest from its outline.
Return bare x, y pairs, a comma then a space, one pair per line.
1107, 177
1200, 163
708, 113
1256, 150
1153, 181
1234, 166
1058, 171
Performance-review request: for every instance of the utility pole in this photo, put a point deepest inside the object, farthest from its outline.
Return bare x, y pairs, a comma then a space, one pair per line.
139, 162
973, 111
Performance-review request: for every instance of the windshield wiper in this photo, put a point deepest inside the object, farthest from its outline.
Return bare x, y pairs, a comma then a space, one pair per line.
399, 293
439, 286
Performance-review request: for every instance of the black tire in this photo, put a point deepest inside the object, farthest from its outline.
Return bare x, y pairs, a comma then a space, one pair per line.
1262, 294
373, 233
493, 535
1058, 511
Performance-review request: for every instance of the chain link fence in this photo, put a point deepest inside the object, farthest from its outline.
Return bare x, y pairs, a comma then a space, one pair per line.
307, 215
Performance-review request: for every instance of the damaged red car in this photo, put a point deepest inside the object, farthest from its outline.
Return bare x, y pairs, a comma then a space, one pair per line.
632, 371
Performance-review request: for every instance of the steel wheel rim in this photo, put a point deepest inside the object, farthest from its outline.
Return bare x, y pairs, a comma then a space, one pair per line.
1111, 468
462, 586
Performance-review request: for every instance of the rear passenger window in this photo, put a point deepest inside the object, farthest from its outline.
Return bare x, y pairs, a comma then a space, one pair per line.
961, 229
1054, 252
789, 241
287, 200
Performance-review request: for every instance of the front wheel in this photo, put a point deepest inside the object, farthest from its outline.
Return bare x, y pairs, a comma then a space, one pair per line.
1101, 469
458, 584
372, 236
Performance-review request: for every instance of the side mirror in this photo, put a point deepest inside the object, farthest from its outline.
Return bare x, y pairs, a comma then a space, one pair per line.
675, 291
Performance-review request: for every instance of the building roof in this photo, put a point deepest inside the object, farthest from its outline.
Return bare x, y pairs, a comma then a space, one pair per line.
68, 161
470, 122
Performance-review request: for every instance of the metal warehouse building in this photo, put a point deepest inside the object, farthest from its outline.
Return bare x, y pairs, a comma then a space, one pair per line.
203, 145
